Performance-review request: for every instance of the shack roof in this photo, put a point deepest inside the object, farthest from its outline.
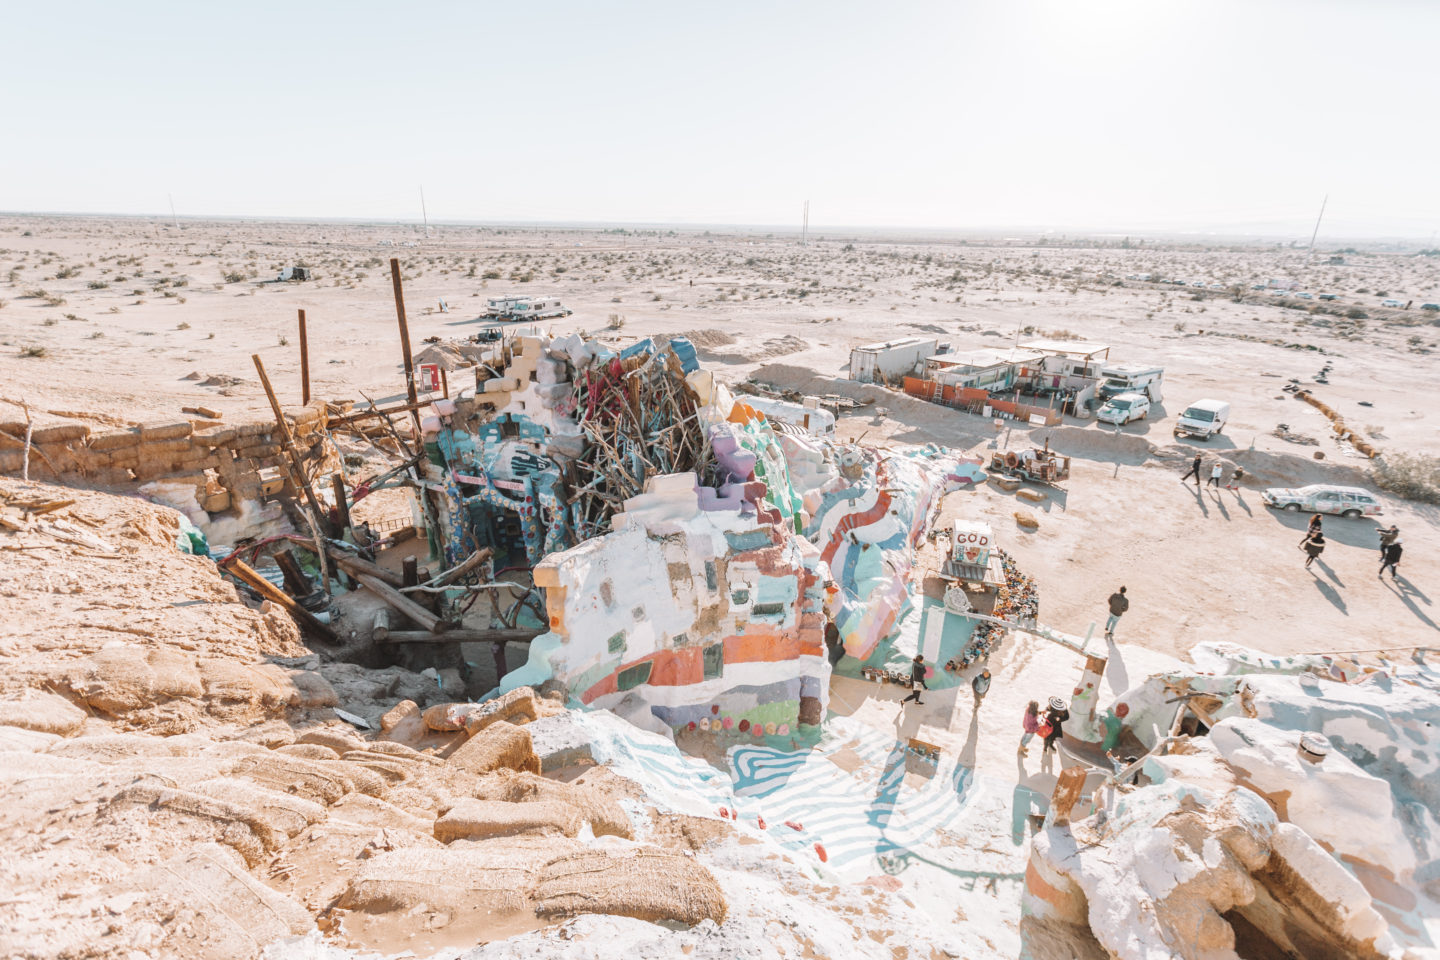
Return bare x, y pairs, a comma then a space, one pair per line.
985, 357
895, 344
1069, 348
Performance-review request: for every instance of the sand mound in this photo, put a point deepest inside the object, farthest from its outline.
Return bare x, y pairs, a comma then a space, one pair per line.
709, 338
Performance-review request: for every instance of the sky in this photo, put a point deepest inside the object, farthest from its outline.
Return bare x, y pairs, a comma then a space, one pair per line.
1046, 115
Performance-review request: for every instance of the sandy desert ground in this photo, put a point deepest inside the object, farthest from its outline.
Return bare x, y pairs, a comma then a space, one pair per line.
123, 320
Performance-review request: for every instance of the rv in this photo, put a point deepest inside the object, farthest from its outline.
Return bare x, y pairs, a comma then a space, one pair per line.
538, 308
878, 362
1147, 380
497, 307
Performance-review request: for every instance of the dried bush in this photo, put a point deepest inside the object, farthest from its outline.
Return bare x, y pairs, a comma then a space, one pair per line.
1414, 476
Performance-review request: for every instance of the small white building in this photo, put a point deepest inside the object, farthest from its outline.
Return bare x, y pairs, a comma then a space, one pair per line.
893, 358
983, 368
1080, 358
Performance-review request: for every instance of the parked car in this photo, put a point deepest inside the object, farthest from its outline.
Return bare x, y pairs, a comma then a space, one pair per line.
1217, 286
1392, 302
1257, 286
1279, 293
1329, 296
1324, 498
1123, 408
1432, 307
1197, 283
1203, 419
1302, 295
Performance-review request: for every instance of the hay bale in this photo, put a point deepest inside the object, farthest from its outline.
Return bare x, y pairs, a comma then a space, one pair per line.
484, 819
252, 828
1026, 519
43, 713
241, 914
491, 879
60, 433
120, 679
644, 883
1034, 496
500, 745
518, 704
166, 430
340, 739
118, 440
308, 751
596, 807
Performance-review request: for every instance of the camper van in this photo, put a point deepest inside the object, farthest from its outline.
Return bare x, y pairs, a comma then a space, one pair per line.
498, 307
1203, 419
1147, 380
538, 308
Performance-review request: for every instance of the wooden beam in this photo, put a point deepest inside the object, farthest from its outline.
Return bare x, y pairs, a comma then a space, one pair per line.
295, 580
304, 363
355, 566
404, 340
380, 628
297, 470
376, 412
307, 620
342, 505
464, 636
401, 603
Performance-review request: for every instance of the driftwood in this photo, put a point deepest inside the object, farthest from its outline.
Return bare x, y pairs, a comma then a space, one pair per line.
401, 603
355, 565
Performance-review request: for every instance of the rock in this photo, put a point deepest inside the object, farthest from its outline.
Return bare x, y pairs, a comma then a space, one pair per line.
1026, 519
1034, 496
515, 705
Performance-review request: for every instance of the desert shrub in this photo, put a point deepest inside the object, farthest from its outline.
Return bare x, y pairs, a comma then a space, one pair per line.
32, 351
1355, 313
97, 285
616, 322
67, 273
234, 277
490, 275
1414, 476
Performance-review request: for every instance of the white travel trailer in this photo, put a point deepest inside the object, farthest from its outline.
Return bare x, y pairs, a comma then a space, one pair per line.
1147, 380
502, 306
539, 308
893, 358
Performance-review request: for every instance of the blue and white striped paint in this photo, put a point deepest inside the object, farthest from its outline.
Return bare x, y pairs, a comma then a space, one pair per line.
859, 817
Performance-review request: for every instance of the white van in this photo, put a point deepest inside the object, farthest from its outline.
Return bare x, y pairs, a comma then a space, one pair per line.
1203, 419
1147, 380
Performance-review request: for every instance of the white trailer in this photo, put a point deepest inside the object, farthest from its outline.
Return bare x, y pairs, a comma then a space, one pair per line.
502, 306
539, 308
893, 358
1147, 380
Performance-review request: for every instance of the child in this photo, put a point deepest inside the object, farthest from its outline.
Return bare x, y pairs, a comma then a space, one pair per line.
1234, 483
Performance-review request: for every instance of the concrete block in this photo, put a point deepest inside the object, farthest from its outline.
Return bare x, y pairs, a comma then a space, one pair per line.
166, 430
116, 440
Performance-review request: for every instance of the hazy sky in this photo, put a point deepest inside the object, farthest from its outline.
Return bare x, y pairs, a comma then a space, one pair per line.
1058, 114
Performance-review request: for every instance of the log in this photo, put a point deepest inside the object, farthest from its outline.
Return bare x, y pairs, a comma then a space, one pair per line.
400, 602
307, 620
295, 580
357, 565
461, 635
381, 628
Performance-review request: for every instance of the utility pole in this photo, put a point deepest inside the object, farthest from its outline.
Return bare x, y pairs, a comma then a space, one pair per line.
423, 214
1309, 253
173, 219
805, 225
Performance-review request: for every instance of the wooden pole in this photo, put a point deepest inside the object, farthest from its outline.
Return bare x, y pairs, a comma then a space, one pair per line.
444, 384
274, 594
342, 506
297, 472
410, 571
304, 363
380, 629
401, 603
295, 580
355, 566
404, 341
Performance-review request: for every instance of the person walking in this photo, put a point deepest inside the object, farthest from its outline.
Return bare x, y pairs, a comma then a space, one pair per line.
1193, 472
1119, 603
1391, 558
1215, 473
1315, 527
1234, 483
1388, 535
917, 680
1055, 716
1313, 546
981, 686
1029, 723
